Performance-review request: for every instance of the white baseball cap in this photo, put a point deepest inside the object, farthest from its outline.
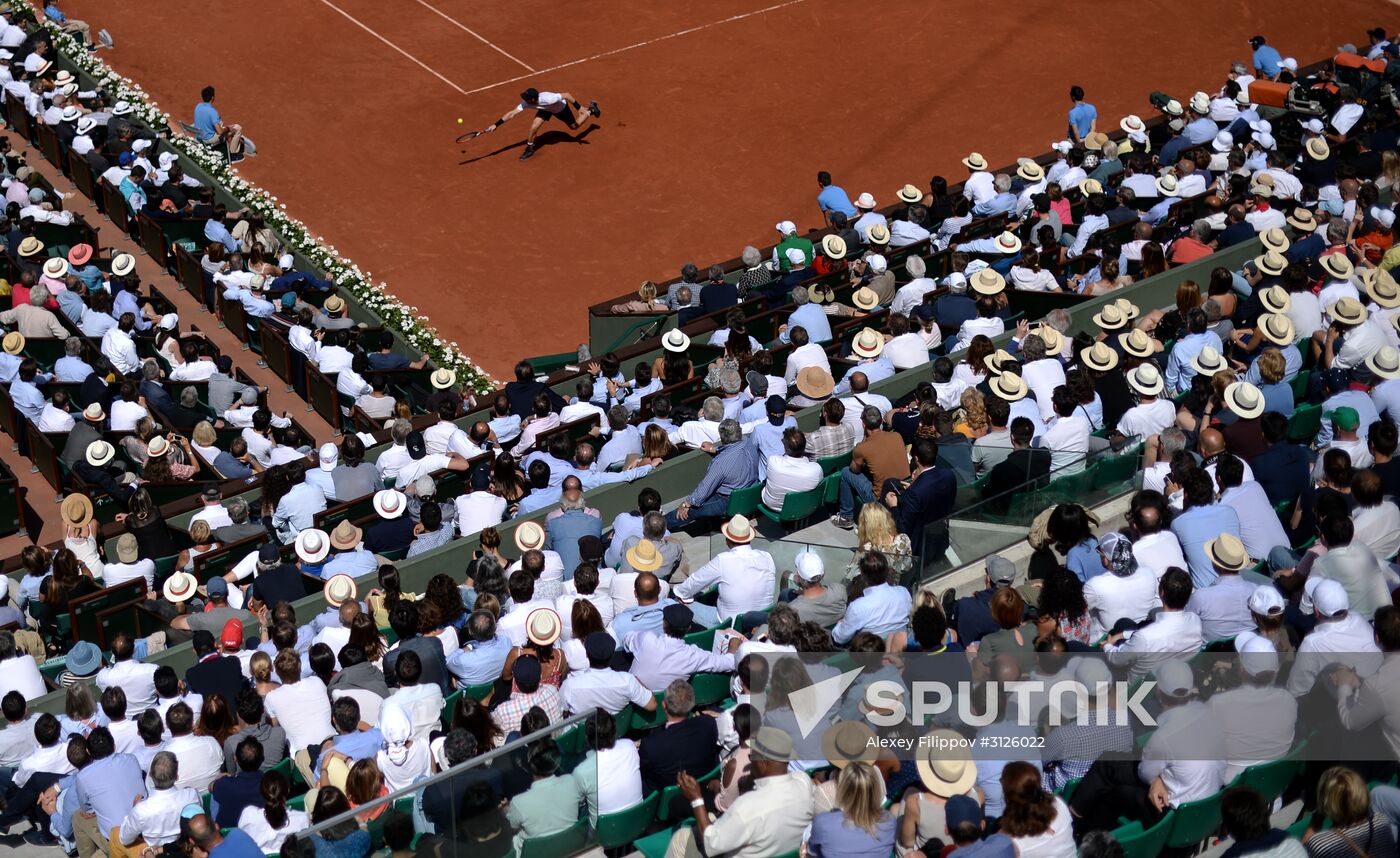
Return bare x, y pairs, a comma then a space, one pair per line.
809, 566
1174, 678
329, 456
1266, 600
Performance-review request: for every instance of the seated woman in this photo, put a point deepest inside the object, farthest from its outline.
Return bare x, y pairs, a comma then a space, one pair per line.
645, 302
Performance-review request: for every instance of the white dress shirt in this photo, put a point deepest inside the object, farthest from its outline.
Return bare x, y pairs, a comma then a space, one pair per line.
120, 349
1186, 751
1349, 641
17, 742
696, 432
992, 327
391, 460
909, 350
253, 822
802, 357
769, 819
195, 370
53, 759
659, 659
1172, 634
786, 475
53, 420
478, 510
1361, 342
135, 679
1257, 723
125, 415
1359, 571
605, 689
881, 610
512, 624
21, 674
979, 188
1159, 552
1112, 597
1067, 439
201, 760
1378, 527
447, 437
303, 710
1042, 377
156, 818
746, 577
911, 295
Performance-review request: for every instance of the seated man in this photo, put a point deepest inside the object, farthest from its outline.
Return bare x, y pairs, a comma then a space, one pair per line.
735, 466
790, 473
210, 129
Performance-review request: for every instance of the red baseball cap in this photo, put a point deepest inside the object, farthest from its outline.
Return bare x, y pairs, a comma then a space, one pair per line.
232, 637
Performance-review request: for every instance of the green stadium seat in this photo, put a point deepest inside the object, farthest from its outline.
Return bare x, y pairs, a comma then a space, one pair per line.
618, 829
567, 842
668, 794
744, 501
1194, 821
797, 506
1305, 423
832, 464
1138, 843
710, 688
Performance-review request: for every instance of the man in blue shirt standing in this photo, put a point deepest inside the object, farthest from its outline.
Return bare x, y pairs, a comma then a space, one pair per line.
1266, 58
1082, 116
833, 198
210, 129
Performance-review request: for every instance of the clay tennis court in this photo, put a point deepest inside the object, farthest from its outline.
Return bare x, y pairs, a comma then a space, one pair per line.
716, 117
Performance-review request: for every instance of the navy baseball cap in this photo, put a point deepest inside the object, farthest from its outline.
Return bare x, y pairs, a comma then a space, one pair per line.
960, 809
776, 405
599, 646
218, 586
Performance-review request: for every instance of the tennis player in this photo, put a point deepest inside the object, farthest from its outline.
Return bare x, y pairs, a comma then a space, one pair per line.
547, 106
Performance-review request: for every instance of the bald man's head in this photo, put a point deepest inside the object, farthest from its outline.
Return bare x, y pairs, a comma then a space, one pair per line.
572, 484
348, 612
203, 832
647, 588
1212, 442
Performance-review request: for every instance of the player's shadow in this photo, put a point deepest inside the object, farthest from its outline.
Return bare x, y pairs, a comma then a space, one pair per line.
542, 140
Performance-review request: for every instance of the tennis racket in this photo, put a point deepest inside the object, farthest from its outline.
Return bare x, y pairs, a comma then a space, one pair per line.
470, 135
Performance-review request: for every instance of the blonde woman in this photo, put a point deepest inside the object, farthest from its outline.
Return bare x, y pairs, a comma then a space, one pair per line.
260, 668
1390, 170
645, 302
204, 441
1344, 800
860, 825
876, 531
204, 542
974, 423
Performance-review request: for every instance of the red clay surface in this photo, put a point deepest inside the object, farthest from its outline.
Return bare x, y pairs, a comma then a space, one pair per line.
707, 138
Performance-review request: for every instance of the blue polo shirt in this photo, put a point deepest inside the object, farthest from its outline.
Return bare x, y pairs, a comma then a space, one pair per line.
206, 118
1266, 60
1081, 118
833, 198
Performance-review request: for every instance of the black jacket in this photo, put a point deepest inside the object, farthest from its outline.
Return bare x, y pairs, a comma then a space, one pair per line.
222, 675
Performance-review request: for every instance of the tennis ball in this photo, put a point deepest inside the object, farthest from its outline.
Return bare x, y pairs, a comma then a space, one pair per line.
459, 120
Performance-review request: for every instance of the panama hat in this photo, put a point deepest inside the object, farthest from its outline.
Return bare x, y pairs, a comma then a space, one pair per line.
1173, 108
675, 341
77, 509
868, 343
179, 587
340, 589
1277, 329
1094, 140
313, 545
1275, 239
1275, 299
1053, 339
738, 530
1270, 263
63, 78
123, 264
1209, 361
877, 233
945, 764
1227, 552
31, 246
157, 447
1128, 307
334, 304
1009, 386
1337, 265
1263, 185
988, 282
847, 742
1385, 363
1200, 103
1008, 243
834, 247
866, 201
86, 125
99, 453
1030, 171
1244, 399
1136, 343
910, 194
1089, 187
1381, 286
996, 360
1348, 311
346, 536
643, 557
94, 413
13, 343
1111, 317
1302, 220
443, 379
55, 267
542, 626
79, 254
1146, 380
1132, 124
529, 536
975, 162
389, 503
1166, 185
1317, 149
865, 298
1099, 357
814, 382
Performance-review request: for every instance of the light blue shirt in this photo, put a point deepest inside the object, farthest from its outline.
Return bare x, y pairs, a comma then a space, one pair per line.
833, 198
558, 468
216, 231
1386, 397
252, 305
321, 480
640, 618
107, 786
479, 662
1179, 368
1084, 560
1081, 118
297, 509
874, 370
596, 477
125, 302
562, 535
539, 499
1266, 60
1358, 399
768, 440
506, 428
27, 398
1201, 130
633, 401
90, 274
1197, 526
882, 610
95, 324
1158, 213
130, 189
1292, 365
72, 306
812, 319
999, 204
9, 366
353, 563
206, 118
623, 443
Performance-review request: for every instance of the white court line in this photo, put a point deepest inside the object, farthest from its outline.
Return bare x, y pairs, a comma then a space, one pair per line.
644, 44
480, 38
424, 66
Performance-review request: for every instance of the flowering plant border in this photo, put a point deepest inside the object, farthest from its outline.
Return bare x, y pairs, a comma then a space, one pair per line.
375, 297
